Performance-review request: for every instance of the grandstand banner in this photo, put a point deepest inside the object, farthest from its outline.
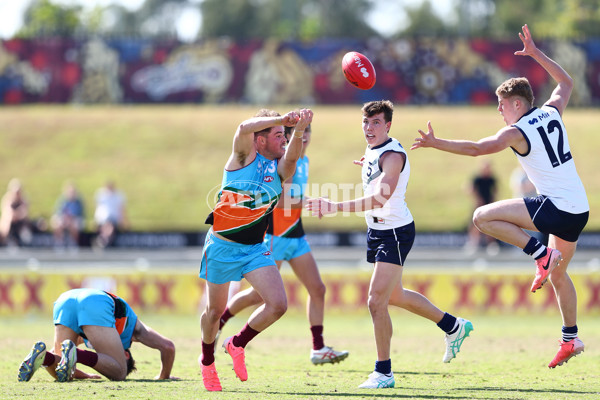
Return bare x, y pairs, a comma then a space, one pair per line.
409, 71
170, 291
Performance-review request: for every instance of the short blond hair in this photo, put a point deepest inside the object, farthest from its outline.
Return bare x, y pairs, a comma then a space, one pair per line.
516, 87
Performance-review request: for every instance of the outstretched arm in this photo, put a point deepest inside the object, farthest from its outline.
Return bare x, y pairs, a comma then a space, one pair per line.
149, 337
561, 94
506, 137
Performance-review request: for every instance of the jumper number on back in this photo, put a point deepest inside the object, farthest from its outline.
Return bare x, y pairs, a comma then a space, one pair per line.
562, 156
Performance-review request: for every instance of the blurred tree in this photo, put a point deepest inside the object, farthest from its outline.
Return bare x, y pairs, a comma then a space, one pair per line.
556, 19
500, 19
313, 19
285, 19
424, 22
42, 18
155, 18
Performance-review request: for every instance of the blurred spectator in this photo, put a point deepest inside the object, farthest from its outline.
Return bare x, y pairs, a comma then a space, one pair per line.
483, 188
522, 187
110, 214
69, 218
15, 227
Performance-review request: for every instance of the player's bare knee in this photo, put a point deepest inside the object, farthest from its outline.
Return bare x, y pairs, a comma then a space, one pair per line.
318, 292
557, 277
212, 315
117, 374
277, 307
376, 303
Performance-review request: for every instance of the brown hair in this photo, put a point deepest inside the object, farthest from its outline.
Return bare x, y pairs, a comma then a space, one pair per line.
516, 87
379, 106
264, 112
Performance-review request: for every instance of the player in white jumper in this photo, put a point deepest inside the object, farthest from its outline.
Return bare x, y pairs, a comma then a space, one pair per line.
539, 139
390, 236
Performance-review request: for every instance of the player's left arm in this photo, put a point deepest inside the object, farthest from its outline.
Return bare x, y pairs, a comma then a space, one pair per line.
561, 94
287, 164
149, 337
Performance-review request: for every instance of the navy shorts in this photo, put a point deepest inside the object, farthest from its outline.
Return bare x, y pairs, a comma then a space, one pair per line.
390, 245
550, 220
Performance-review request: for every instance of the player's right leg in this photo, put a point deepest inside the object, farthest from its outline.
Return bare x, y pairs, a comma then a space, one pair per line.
385, 278
566, 296
216, 295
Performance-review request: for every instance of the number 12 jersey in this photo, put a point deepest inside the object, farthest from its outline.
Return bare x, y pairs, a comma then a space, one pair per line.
548, 162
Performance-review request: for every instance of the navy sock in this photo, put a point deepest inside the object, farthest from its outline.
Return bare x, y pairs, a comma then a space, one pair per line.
535, 248
569, 333
384, 367
448, 323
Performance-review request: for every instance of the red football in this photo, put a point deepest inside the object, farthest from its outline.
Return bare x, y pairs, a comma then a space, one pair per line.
358, 70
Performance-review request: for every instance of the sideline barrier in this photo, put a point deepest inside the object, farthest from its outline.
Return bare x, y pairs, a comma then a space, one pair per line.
29, 292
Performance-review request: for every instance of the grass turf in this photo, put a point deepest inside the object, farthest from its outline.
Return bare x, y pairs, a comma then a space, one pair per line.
506, 357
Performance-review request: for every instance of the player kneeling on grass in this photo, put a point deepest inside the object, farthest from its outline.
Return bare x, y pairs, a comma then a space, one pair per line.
107, 324
390, 236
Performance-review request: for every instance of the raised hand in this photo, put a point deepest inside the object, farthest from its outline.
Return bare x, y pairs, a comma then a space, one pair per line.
426, 140
529, 46
305, 118
290, 119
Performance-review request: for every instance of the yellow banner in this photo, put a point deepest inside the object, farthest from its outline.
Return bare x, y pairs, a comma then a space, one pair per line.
167, 292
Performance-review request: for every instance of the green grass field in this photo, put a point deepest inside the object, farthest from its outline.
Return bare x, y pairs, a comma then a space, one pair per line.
167, 159
505, 358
